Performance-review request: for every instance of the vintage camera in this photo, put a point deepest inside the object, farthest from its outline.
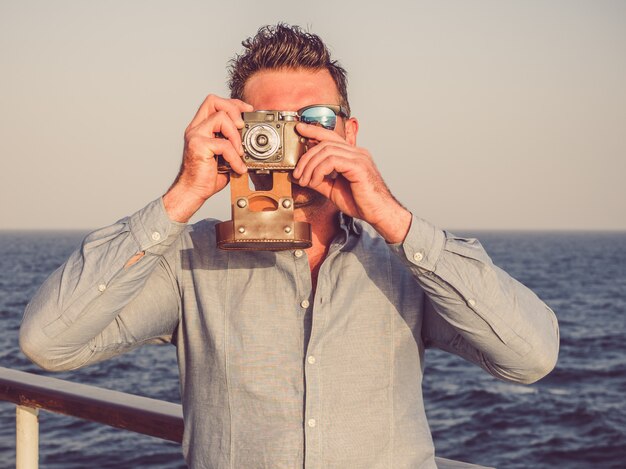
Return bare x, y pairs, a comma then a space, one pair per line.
270, 140
263, 219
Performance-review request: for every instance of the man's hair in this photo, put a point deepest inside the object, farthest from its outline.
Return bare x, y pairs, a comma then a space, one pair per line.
284, 46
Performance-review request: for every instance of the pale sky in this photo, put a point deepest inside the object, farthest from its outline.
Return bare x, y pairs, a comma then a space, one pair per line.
479, 114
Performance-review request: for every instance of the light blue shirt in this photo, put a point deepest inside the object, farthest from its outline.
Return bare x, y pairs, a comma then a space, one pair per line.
272, 374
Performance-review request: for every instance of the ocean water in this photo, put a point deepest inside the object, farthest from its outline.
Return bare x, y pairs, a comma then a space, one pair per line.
574, 418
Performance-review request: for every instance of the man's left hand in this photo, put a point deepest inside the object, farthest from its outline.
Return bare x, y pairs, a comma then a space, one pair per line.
347, 175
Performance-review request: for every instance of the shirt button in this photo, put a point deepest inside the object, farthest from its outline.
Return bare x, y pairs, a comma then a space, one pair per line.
156, 236
298, 253
418, 256
472, 302
102, 287
311, 423
311, 359
305, 304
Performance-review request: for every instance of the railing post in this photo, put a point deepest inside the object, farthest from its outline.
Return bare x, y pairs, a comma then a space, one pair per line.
26, 437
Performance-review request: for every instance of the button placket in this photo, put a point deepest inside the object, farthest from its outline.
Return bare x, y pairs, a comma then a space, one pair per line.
312, 391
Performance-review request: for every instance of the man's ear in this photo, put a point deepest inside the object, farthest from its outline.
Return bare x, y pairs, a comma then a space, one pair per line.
351, 129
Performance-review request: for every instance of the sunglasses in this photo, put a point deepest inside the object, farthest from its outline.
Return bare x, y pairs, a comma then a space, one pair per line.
322, 114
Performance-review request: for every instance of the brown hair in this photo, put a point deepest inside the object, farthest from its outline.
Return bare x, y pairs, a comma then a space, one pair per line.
284, 46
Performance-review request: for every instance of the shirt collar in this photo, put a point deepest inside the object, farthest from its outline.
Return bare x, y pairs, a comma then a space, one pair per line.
349, 224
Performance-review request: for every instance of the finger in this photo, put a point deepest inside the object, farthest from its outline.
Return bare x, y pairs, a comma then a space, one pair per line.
243, 106
337, 190
316, 132
220, 122
329, 166
204, 111
214, 103
225, 149
314, 151
206, 149
329, 152
325, 187
233, 108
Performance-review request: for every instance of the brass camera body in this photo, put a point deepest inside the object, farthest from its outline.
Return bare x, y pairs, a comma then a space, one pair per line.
270, 140
264, 219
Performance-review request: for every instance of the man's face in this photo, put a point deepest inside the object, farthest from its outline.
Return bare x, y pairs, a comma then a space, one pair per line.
290, 90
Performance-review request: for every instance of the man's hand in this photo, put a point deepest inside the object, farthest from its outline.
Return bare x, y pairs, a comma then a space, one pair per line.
198, 178
347, 176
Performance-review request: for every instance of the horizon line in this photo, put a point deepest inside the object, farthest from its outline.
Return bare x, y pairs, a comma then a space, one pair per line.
457, 229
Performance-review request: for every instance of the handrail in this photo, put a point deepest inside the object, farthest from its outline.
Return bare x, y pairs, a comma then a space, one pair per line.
138, 414
117, 409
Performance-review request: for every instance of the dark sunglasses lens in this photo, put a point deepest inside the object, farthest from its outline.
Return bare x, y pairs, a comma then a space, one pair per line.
319, 115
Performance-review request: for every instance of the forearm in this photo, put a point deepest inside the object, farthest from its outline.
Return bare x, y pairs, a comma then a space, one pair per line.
181, 204
395, 226
503, 326
74, 312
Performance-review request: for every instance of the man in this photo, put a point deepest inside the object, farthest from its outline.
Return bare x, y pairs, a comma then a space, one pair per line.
291, 358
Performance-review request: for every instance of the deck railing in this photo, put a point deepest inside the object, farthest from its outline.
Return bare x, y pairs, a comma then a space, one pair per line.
31, 392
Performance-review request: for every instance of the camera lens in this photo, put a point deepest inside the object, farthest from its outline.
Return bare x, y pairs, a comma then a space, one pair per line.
262, 141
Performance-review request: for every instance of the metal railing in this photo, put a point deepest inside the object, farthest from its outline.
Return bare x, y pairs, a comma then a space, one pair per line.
31, 392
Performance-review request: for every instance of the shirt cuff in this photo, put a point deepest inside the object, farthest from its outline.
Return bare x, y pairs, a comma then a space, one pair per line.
422, 246
152, 228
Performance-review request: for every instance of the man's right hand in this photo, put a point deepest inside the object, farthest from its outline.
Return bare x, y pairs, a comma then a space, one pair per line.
213, 131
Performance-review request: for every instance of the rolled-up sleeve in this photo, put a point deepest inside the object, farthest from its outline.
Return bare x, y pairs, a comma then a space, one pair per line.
475, 309
91, 307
